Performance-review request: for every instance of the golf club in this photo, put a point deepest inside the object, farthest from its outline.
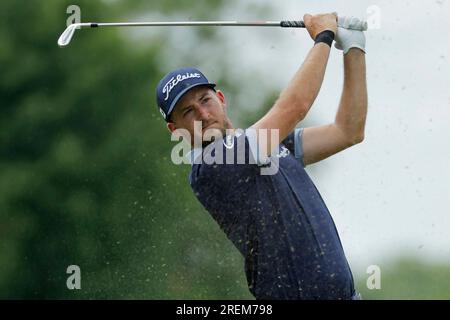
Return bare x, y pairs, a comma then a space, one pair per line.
67, 35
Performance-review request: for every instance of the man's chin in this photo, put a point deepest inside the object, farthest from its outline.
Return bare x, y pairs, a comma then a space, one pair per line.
211, 126
213, 130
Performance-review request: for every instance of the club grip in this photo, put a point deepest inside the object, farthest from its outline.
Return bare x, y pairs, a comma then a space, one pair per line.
292, 24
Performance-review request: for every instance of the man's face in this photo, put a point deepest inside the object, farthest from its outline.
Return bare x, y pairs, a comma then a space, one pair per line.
200, 104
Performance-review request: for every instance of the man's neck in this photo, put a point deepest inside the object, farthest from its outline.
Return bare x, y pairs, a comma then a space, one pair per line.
230, 131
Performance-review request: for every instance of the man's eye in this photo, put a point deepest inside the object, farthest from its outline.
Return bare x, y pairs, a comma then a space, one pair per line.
187, 111
205, 100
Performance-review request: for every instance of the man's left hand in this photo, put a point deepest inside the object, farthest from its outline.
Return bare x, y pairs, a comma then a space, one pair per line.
347, 38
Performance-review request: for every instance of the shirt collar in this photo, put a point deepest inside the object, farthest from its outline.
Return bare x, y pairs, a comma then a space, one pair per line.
193, 154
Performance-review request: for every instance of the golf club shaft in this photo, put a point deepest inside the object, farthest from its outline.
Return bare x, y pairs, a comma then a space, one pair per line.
284, 24
67, 35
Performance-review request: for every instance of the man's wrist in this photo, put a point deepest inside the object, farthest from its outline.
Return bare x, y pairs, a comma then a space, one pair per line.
355, 50
326, 36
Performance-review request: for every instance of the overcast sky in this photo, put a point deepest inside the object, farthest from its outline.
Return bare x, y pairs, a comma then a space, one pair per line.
389, 195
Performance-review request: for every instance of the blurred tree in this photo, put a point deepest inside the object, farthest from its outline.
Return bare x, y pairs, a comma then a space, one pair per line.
86, 177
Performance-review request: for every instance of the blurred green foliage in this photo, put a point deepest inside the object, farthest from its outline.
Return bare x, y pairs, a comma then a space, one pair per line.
85, 171
86, 177
409, 277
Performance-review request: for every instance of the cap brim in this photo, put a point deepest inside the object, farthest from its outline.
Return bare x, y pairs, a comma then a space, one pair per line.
178, 97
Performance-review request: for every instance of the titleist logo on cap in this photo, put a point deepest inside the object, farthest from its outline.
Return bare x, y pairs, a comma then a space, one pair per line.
174, 81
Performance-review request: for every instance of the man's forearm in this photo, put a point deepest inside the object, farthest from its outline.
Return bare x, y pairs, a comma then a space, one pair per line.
296, 100
352, 112
298, 97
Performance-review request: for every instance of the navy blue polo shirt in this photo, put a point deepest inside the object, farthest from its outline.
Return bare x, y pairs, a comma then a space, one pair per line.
278, 222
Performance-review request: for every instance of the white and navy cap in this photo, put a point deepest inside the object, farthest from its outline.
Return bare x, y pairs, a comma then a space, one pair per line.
174, 85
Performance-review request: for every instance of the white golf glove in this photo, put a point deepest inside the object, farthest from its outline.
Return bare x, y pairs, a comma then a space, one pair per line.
347, 37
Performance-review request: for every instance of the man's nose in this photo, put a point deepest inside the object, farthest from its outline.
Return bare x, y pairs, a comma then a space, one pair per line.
202, 113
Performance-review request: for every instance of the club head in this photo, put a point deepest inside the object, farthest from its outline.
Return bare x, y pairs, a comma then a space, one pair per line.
67, 35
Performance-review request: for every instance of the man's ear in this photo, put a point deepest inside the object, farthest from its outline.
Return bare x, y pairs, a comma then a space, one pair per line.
171, 127
221, 97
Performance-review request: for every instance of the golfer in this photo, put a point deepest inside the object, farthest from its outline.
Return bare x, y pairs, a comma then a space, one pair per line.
278, 220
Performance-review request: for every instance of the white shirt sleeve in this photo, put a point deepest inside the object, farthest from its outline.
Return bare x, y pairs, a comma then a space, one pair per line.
263, 160
298, 142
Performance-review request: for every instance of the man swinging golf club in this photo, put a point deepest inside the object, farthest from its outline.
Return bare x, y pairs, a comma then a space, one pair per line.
279, 222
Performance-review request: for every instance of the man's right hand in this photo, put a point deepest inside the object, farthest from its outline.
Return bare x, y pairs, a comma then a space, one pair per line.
315, 24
